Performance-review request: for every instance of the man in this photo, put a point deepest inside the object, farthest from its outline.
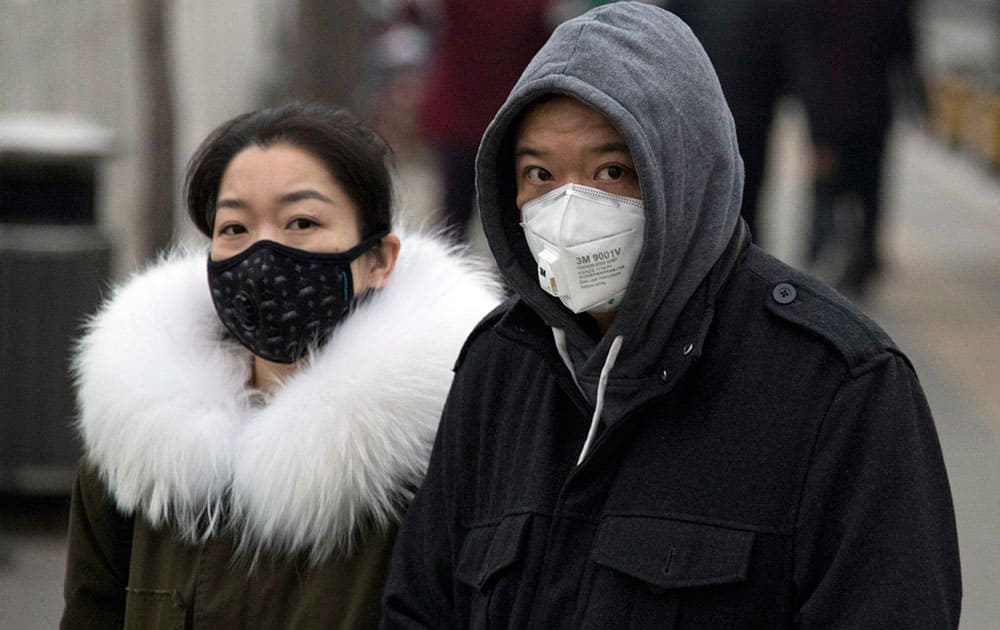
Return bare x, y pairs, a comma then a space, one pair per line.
665, 427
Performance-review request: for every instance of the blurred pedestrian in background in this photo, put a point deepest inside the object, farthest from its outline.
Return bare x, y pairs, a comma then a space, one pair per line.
256, 415
749, 44
853, 51
396, 59
481, 48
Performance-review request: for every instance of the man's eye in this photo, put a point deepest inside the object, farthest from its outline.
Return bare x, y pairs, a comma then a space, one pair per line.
538, 175
612, 172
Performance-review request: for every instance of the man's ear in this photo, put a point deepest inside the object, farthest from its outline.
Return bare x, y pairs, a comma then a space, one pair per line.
383, 260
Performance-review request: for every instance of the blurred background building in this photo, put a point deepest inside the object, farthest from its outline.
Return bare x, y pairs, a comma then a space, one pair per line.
103, 101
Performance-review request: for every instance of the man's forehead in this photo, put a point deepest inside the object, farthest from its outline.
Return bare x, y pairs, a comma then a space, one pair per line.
564, 115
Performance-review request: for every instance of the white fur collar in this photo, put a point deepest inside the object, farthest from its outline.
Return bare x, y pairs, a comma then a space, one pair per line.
167, 418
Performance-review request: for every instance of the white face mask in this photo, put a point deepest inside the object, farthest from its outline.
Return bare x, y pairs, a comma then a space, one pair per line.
586, 243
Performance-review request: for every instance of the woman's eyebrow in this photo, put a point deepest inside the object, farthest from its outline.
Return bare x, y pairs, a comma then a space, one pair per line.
292, 197
237, 204
300, 195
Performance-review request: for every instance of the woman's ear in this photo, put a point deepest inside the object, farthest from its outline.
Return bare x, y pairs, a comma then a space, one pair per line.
382, 260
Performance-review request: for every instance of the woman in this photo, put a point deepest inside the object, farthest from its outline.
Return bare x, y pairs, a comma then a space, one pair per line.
253, 431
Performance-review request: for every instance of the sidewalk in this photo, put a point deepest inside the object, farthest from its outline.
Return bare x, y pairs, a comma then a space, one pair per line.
943, 307
940, 301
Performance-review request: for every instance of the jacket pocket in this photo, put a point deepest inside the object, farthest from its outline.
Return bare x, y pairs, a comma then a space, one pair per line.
153, 608
674, 574
488, 552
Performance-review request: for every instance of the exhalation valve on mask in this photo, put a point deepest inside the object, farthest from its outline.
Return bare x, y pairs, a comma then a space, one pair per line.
586, 243
548, 273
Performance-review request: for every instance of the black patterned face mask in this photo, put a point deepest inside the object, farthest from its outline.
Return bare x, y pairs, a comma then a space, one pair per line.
279, 301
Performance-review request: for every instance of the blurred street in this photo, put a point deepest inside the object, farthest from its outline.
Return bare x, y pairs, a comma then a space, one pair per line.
939, 297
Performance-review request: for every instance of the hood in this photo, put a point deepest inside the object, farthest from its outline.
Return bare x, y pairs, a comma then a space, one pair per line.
645, 71
168, 420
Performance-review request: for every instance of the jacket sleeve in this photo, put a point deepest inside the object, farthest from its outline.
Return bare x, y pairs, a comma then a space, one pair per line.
100, 541
419, 591
876, 544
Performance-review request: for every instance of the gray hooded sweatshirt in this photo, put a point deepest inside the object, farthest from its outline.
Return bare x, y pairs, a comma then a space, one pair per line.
658, 88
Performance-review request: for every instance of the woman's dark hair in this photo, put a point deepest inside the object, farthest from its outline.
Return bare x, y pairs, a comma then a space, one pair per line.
354, 154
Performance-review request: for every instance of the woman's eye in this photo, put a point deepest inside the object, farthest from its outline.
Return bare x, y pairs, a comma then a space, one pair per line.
537, 175
612, 172
232, 230
302, 223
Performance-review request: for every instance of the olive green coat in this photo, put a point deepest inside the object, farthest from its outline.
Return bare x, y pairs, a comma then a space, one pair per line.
202, 503
124, 573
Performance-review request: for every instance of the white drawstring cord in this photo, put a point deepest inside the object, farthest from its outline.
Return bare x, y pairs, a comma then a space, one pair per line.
559, 335
602, 384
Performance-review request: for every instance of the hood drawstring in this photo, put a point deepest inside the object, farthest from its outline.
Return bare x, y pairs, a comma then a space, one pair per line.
559, 335
602, 384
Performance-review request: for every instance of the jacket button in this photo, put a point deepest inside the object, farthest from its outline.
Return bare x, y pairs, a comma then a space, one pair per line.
687, 349
784, 293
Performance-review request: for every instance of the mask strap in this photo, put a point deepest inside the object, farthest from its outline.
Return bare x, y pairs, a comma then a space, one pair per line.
364, 245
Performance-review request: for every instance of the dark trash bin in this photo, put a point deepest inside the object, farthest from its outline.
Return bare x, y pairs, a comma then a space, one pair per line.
54, 261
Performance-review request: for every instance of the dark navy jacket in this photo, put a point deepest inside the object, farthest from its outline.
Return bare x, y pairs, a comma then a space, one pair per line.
767, 458
786, 475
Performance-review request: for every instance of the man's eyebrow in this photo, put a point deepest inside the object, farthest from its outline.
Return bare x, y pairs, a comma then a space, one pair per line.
523, 151
611, 147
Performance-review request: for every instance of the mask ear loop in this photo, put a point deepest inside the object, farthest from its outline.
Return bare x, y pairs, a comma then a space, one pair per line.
365, 245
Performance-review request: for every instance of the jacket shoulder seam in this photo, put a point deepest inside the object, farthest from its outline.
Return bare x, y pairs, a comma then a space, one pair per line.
486, 323
866, 347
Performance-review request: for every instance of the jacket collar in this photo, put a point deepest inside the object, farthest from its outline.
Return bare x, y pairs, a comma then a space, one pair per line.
522, 325
169, 422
